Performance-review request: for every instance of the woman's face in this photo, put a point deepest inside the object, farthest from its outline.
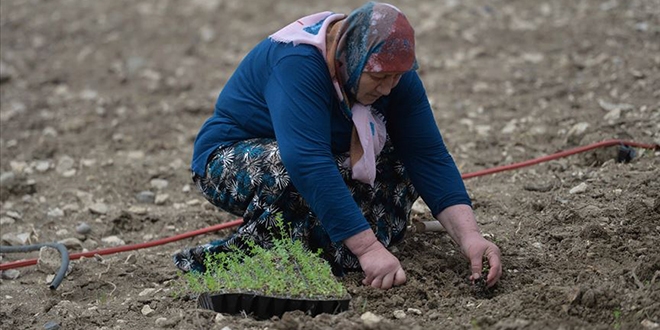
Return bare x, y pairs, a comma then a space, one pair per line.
373, 85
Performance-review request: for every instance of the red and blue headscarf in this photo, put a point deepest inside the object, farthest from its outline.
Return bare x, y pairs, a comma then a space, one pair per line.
376, 37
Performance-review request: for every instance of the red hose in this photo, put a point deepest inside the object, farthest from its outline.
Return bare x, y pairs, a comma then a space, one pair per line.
124, 248
606, 143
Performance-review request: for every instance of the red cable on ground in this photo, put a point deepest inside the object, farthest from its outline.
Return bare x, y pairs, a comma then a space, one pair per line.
606, 143
124, 248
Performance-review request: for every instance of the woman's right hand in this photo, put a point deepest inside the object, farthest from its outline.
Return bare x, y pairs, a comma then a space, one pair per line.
382, 270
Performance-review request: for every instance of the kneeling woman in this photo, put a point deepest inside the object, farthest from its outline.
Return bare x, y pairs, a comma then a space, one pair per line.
327, 123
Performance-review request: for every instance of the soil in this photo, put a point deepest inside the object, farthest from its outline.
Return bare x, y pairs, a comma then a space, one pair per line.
101, 101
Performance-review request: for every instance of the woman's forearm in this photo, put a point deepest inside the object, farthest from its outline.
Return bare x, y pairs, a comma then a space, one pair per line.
460, 223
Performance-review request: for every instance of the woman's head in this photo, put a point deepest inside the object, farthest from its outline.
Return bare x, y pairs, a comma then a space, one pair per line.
376, 39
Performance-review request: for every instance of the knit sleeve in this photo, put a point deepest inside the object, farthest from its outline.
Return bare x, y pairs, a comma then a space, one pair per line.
299, 95
417, 140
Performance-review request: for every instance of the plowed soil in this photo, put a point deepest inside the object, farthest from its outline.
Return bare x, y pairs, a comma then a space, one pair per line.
99, 98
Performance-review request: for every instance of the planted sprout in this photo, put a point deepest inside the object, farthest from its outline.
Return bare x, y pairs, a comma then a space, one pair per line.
479, 286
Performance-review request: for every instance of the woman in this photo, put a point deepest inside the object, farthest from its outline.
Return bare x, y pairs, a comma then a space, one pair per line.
327, 123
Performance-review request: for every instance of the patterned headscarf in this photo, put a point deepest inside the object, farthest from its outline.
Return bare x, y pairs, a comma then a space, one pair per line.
376, 37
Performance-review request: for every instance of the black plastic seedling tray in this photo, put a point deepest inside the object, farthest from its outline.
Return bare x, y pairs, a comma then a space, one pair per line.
265, 307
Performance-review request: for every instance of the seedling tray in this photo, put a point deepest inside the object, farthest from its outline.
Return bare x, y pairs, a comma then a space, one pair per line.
265, 307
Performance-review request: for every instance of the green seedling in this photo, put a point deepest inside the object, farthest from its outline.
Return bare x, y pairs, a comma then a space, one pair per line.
617, 318
288, 269
480, 286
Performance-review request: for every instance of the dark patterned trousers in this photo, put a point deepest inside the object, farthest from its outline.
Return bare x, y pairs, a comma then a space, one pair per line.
248, 179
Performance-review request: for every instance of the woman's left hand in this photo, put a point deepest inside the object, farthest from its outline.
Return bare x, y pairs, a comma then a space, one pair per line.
475, 248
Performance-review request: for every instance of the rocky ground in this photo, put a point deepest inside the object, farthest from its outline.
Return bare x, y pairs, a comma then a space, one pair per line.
101, 100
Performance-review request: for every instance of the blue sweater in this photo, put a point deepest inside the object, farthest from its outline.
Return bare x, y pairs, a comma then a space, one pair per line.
285, 92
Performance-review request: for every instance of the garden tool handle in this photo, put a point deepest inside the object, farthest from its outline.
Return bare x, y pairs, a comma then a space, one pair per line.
424, 226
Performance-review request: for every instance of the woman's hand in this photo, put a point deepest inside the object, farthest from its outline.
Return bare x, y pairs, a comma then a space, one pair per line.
475, 248
382, 269
460, 223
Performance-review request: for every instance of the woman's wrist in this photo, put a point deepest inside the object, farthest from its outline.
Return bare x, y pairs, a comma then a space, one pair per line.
460, 223
362, 242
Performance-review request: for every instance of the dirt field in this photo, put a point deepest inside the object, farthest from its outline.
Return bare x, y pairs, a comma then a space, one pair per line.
101, 101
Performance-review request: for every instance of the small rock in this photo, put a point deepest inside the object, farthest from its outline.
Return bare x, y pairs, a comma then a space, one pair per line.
612, 107
414, 311
113, 241
49, 260
161, 199
83, 229
648, 324
399, 314
193, 202
55, 213
15, 215
420, 207
91, 244
88, 162
147, 292
589, 299
370, 318
24, 237
6, 221
10, 274
165, 323
68, 208
147, 310
219, 318
612, 116
146, 197
207, 33
98, 208
510, 127
72, 243
42, 166
69, 173
15, 240
64, 164
51, 325
573, 295
159, 184
135, 154
177, 164
511, 324
540, 187
582, 187
88, 94
7, 178
576, 132
17, 166
84, 197
6, 72
50, 278
435, 315
62, 232
139, 210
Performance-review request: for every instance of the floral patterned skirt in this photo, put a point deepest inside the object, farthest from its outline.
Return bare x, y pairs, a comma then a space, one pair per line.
248, 179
